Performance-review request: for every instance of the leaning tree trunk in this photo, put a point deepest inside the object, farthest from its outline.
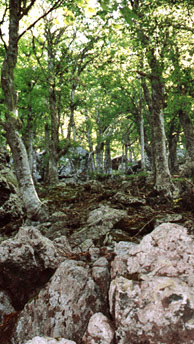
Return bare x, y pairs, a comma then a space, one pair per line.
32, 203
28, 137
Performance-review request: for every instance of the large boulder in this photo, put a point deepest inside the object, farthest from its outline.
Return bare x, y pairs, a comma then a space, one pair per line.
27, 261
152, 291
63, 308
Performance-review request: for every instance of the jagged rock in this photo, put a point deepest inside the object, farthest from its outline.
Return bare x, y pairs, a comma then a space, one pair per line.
119, 264
11, 206
152, 298
122, 248
63, 308
100, 330
67, 170
75, 164
46, 340
105, 215
128, 200
27, 261
101, 275
187, 169
5, 305
100, 222
168, 218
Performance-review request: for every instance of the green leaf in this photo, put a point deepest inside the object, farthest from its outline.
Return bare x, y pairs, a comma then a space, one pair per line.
128, 14
105, 5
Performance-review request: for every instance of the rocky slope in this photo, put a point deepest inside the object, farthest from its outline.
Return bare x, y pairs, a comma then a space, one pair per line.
113, 264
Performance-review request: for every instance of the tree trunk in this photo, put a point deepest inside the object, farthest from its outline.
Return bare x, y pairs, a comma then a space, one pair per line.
100, 144
126, 157
162, 174
99, 156
91, 162
173, 137
187, 125
32, 203
52, 176
188, 129
163, 180
142, 143
28, 137
107, 158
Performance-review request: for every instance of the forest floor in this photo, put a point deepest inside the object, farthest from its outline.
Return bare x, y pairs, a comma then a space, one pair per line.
70, 205
145, 207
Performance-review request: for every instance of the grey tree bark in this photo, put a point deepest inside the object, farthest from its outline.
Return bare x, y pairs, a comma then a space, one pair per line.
188, 129
163, 180
100, 145
142, 142
33, 205
107, 158
91, 162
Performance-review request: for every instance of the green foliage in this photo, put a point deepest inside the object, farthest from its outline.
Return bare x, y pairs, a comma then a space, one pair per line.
129, 15
104, 54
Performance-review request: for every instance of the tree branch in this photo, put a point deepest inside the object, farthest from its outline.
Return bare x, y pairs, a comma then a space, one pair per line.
1, 23
56, 5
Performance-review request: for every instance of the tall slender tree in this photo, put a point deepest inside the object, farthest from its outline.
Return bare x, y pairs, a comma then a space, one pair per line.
18, 9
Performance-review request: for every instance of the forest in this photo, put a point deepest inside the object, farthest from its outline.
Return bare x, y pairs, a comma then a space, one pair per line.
96, 172
114, 78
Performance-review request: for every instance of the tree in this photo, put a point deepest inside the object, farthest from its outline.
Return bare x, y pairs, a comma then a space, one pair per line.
155, 49
17, 10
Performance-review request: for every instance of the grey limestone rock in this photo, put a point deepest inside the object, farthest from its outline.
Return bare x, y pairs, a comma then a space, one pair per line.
27, 261
152, 290
100, 330
63, 308
47, 340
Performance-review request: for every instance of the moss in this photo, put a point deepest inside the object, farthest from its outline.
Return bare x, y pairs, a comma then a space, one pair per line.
179, 179
11, 178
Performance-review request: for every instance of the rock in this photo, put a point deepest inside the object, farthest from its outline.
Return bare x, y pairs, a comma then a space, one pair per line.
11, 206
27, 261
128, 200
63, 308
105, 215
118, 160
187, 169
5, 305
168, 218
62, 244
66, 170
152, 294
122, 248
93, 251
4, 157
101, 275
46, 340
74, 164
100, 222
100, 330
